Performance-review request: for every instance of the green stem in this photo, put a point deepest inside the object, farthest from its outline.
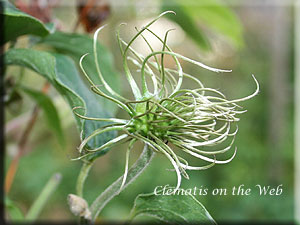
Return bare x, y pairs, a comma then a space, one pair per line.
42, 199
86, 166
114, 189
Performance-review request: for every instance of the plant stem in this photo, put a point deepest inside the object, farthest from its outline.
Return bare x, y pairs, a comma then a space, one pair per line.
86, 166
42, 199
114, 189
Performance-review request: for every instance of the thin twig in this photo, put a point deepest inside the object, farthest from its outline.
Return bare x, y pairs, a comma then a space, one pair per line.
22, 144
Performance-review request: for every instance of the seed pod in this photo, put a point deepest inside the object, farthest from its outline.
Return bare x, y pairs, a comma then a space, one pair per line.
79, 206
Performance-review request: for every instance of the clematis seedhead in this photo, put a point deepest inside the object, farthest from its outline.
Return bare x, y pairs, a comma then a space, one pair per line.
171, 120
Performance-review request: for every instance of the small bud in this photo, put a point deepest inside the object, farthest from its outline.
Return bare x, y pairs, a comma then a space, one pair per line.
79, 206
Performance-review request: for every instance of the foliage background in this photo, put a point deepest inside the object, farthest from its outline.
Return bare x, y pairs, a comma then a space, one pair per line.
265, 138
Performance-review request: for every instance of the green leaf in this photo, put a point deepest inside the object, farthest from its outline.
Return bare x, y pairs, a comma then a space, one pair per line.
174, 209
186, 22
211, 14
50, 111
18, 23
14, 211
96, 106
61, 72
76, 45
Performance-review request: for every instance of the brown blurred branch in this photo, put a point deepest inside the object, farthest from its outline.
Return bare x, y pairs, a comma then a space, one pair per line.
22, 144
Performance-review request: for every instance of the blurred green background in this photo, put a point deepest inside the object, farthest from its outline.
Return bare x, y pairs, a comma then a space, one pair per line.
250, 39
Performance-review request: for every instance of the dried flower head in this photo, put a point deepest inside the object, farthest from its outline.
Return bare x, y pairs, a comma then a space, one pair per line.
168, 119
79, 206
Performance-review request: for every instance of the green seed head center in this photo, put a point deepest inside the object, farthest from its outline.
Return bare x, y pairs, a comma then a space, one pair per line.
146, 122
